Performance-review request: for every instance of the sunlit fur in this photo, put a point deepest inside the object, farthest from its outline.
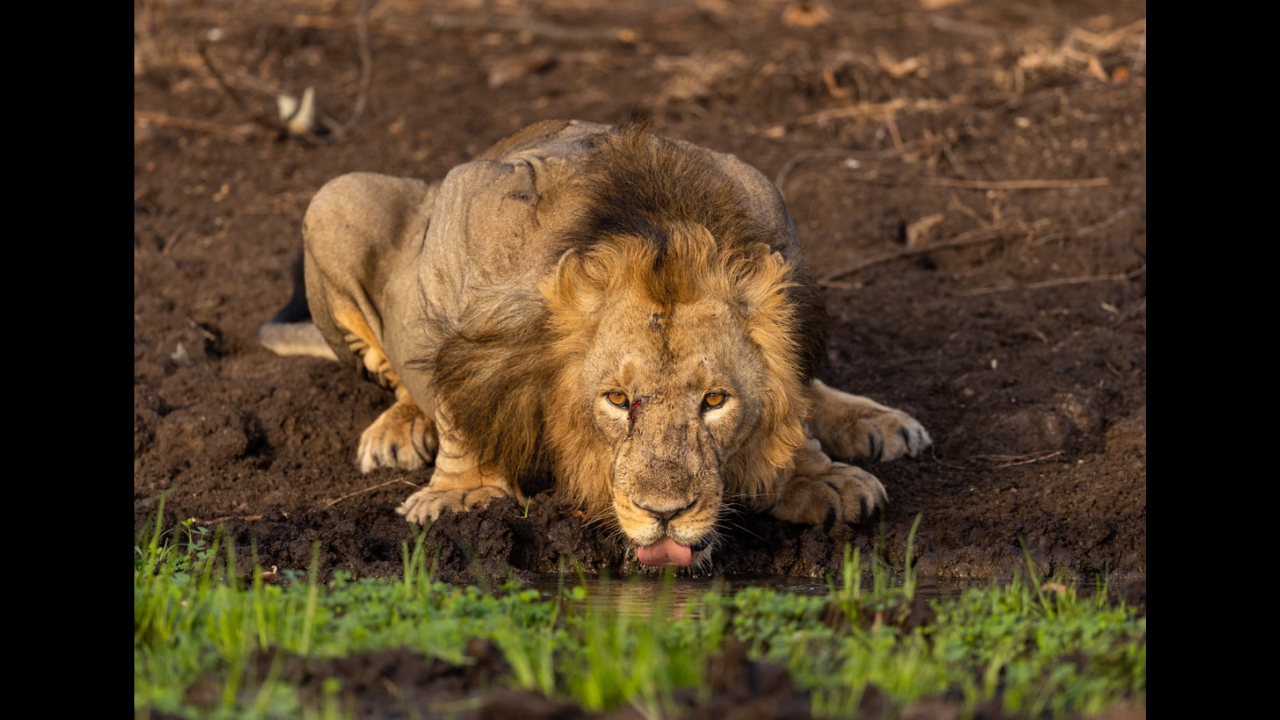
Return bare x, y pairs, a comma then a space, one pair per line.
666, 328
668, 286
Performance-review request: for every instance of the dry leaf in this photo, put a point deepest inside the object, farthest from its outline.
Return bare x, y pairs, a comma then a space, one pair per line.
693, 76
805, 14
516, 67
918, 231
899, 68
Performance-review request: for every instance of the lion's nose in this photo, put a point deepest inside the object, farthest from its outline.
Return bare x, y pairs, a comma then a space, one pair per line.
667, 515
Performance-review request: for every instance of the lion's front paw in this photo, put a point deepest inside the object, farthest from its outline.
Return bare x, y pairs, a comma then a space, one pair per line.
427, 504
839, 493
885, 435
402, 437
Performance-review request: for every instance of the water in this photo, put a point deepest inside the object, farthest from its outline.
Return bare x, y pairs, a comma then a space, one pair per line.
637, 595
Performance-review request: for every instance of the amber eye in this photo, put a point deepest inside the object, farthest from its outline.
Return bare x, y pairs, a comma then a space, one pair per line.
713, 400
617, 398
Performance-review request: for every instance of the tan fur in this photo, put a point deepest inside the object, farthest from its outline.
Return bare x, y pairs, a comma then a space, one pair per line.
749, 283
570, 303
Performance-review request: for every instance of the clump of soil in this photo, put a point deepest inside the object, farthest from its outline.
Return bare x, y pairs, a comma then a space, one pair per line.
968, 178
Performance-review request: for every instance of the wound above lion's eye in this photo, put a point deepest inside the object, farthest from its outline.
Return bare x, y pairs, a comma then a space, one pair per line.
617, 398
713, 400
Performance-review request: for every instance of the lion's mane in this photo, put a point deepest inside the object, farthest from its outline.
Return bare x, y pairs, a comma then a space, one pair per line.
657, 219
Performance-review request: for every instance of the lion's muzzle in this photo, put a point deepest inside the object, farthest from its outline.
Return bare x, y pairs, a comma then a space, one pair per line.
669, 552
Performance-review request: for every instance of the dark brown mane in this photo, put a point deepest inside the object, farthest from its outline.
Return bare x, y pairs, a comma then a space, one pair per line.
494, 369
641, 185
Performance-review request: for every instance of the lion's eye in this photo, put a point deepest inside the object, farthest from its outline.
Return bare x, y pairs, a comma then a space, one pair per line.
617, 398
713, 400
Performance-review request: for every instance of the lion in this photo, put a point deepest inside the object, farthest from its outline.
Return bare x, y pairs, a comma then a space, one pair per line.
627, 314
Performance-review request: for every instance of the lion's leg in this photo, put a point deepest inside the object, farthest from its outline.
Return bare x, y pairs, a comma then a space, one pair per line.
855, 427
404, 436
821, 490
359, 274
459, 481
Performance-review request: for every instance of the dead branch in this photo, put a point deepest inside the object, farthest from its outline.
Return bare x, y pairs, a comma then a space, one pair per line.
877, 109
1114, 277
239, 133
226, 518
894, 133
254, 115
1006, 461
1028, 460
971, 237
366, 73
337, 500
204, 332
933, 453
1034, 184
1088, 229
537, 28
804, 155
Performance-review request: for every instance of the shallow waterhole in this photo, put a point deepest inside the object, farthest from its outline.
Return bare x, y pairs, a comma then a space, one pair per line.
639, 595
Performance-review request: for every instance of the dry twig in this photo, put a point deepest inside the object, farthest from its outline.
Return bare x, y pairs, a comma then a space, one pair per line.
877, 109
1088, 229
225, 518
1114, 277
366, 73
239, 133
204, 332
255, 116
1026, 460
537, 28
971, 237
337, 500
1034, 184
804, 155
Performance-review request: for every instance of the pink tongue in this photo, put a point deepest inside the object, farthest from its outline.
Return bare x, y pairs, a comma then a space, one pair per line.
665, 552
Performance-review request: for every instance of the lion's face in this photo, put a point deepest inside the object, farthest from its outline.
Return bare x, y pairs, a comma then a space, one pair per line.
677, 391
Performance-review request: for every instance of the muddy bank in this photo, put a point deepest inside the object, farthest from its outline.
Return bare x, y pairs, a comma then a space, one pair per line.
970, 179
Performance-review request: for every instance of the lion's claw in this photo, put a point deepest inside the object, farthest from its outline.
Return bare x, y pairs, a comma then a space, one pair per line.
426, 505
880, 437
841, 493
402, 437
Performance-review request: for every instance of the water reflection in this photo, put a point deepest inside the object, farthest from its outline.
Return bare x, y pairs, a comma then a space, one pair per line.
639, 595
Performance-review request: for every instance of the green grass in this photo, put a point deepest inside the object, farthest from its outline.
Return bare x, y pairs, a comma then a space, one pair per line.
1043, 654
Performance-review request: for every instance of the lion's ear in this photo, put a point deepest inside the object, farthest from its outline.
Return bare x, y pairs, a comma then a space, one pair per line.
762, 278
569, 288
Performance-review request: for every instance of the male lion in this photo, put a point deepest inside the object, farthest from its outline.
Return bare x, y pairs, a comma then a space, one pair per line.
627, 313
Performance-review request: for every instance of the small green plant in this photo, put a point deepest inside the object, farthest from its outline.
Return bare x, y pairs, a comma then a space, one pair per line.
908, 575
1037, 649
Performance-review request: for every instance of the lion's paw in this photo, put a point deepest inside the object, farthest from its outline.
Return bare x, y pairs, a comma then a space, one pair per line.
840, 493
427, 504
402, 437
880, 436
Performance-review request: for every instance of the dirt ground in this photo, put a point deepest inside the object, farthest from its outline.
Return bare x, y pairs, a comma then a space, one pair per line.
969, 178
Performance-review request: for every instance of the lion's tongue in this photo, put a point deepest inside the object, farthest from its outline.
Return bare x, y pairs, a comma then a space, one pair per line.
665, 552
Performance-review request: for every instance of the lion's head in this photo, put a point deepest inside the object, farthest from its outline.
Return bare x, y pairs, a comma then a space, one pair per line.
661, 371
679, 387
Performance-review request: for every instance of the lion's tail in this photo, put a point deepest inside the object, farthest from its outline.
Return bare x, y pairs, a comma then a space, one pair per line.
291, 331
